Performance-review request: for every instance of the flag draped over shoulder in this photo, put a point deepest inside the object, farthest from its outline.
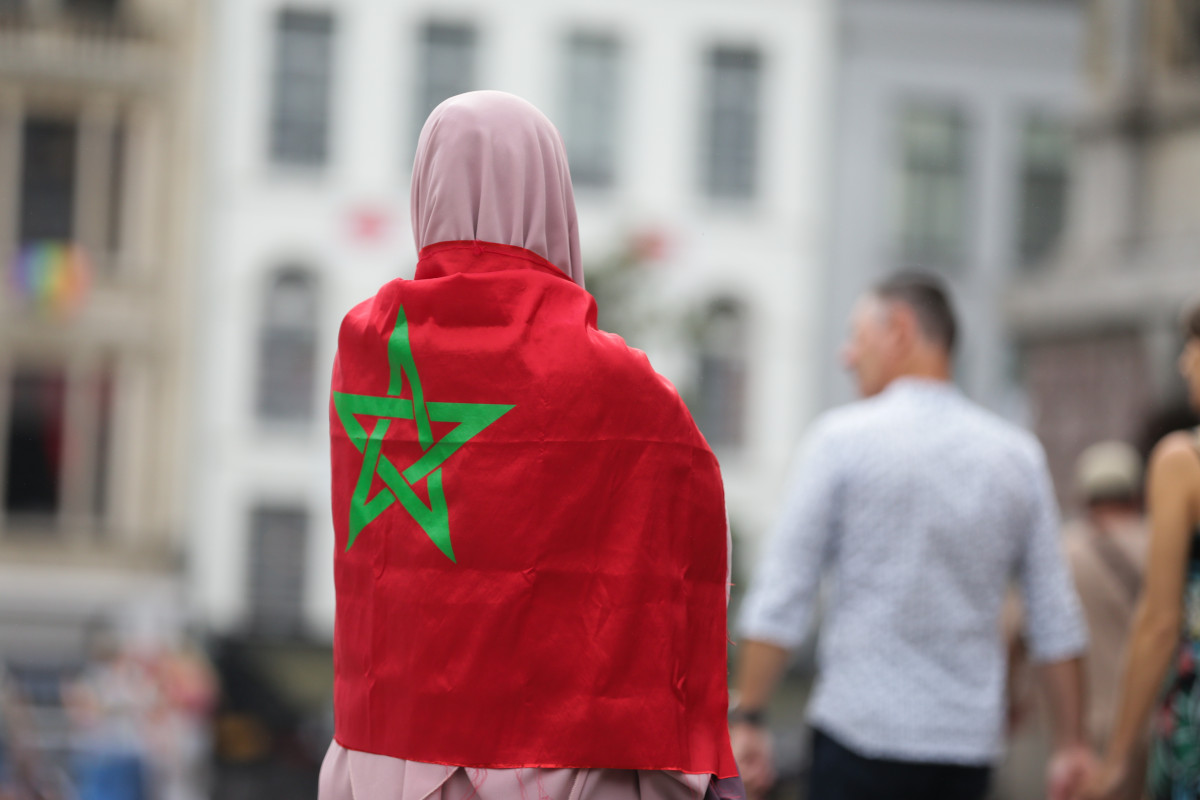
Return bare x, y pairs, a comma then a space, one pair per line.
530, 532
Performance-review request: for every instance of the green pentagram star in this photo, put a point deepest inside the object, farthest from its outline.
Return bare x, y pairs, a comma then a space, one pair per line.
471, 418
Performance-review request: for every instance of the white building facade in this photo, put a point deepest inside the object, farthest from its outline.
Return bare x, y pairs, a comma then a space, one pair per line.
953, 149
695, 131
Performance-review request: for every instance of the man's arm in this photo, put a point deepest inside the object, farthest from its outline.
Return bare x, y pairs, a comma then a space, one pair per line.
777, 610
760, 664
1072, 763
1062, 682
1057, 636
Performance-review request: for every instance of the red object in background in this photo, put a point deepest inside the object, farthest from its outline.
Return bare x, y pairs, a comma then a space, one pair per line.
581, 622
651, 245
369, 225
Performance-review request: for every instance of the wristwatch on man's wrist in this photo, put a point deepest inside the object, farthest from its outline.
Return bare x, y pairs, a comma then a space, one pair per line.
747, 716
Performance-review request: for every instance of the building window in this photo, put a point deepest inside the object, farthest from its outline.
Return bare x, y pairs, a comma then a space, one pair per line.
721, 398
287, 348
731, 151
54, 206
36, 432
101, 10
100, 430
116, 190
56, 445
932, 196
593, 65
1179, 21
447, 65
300, 102
276, 574
48, 172
1045, 153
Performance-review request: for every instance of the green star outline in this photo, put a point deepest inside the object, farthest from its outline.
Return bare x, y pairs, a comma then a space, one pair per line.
472, 418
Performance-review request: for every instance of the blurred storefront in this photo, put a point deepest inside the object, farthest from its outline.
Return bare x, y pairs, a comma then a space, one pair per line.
1097, 319
98, 121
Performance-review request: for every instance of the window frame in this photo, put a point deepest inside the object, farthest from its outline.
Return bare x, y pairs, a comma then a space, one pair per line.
749, 186
85, 508
273, 279
255, 620
428, 95
30, 116
105, 195
946, 257
588, 173
1029, 259
277, 123
725, 428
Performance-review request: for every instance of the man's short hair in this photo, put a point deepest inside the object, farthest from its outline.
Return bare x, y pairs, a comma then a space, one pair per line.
1190, 320
926, 294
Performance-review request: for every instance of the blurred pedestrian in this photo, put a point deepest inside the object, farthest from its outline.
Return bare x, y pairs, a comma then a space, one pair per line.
108, 706
531, 561
1106, 549
920, 506
1107, 553
1165, 641
180, 726
23, 773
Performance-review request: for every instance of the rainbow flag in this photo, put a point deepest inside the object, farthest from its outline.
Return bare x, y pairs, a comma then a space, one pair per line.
52, 277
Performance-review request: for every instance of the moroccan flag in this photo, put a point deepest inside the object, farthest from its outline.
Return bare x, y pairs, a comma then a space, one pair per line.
530, 532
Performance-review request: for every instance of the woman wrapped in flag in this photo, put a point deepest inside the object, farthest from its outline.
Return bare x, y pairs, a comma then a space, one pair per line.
531, 544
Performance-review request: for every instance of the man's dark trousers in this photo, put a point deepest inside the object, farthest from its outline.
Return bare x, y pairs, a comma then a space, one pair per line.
839, 773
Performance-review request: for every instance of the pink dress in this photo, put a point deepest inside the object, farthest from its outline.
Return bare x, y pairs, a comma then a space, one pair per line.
351, 775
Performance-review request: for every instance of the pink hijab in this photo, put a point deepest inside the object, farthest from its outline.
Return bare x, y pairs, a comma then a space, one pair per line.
491, 167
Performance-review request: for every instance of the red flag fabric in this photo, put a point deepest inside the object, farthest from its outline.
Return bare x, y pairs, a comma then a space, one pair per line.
530, 532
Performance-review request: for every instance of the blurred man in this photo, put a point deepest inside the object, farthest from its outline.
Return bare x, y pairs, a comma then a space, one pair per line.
1107, 553
1106, 549
919, 506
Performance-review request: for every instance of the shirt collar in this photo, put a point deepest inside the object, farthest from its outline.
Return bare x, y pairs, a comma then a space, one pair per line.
909, 385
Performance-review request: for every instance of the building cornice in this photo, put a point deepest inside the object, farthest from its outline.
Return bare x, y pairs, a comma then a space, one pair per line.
99, 58
1078, 301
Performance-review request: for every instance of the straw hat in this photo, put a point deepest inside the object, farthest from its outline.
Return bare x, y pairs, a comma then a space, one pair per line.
1109, 470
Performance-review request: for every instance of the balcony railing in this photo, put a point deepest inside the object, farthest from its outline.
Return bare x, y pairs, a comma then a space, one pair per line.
78, 46
84, 23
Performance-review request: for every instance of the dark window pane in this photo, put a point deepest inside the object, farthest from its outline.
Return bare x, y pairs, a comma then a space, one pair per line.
116, 191
1045, 150
278, 548
104, 412
447, 65
731, 168
932, 187
721, 399
1183, 22
93, 9
593, 64
301, 88
47, 180
287, 366
36, 427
